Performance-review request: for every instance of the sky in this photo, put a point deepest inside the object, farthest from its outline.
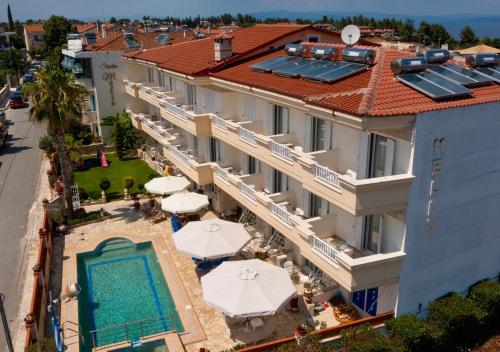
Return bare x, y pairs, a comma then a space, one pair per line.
36, 9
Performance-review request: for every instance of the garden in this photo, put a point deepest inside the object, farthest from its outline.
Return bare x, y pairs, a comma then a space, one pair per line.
136, 171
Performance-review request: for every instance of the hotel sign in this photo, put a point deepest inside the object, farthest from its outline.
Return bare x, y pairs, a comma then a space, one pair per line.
109, 76
438, 152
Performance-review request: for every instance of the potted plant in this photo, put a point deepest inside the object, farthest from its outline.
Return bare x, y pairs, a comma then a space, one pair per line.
105, 184
152, 200
128, 183
300, 331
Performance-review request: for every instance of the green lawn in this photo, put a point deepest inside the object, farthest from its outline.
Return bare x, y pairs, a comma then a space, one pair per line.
115, 172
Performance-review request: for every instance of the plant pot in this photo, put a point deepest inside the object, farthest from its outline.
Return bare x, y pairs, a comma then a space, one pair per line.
300, 331
152, 203
137, 205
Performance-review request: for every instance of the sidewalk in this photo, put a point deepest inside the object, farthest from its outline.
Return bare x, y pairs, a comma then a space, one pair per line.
29, 258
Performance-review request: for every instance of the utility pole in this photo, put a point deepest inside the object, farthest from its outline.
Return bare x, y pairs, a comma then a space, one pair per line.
5, 323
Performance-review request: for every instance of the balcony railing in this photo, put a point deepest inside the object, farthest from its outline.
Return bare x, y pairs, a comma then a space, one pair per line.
325, 249
221, 173
179, 155
327, 176
248, 191
281, 213
247, 135
220, 123
281, 151
176, 110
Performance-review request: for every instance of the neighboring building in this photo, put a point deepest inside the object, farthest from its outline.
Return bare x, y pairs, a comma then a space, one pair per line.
4, 39
479, 49
377, 32
387, 193
96, 61
33, 37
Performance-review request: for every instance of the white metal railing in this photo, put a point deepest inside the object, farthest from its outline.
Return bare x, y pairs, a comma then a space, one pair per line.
281, 212
248, 191
221, 173
159, 167
179, 155
247, 135
282, 151
176, 110
220, 123
147, 157
324, 248
326, 175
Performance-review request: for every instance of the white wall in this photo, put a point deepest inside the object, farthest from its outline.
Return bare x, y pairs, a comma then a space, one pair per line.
392, 234
402, 152
463, 245
347, 141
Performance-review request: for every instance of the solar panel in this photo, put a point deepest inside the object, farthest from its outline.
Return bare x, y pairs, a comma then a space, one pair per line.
341, 72
297, 65
459, 75
312, 65
273, 63
492, 72
329, 66
433, 85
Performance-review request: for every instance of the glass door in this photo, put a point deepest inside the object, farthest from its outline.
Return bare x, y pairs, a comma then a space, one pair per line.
381, 156
373, 233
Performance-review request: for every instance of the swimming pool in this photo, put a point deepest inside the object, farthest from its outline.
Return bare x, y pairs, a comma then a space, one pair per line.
123, 283
155, 346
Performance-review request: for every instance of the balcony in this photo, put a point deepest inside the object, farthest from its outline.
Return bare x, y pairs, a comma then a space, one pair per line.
248, 130
131, 88
197, 170
155, 127
331, 253
85, 82
184, 117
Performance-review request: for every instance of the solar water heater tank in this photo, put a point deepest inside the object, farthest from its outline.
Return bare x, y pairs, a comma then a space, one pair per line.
409, 65
358, 55
478, 60
435, 56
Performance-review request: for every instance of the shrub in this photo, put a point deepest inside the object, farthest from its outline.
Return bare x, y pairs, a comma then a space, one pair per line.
105, 184
457, 321
486, 295
46, 143
128, 182
140, 187
364, 338
57, 217
93, 194
43, 345
412, 332
309, 344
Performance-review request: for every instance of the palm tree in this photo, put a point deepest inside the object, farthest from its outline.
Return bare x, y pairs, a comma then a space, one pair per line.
56, 99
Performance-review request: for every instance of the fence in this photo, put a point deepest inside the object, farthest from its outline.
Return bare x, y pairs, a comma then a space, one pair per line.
35, 319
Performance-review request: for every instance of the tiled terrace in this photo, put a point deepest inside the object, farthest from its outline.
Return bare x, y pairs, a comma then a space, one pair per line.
205, 326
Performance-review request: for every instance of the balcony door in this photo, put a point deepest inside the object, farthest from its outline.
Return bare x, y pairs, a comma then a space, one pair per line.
253, 165
214, 149
190, 96
373, 233
381, 156
278, 119
279, 181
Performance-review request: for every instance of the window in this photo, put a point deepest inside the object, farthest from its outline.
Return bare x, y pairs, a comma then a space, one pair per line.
318, 134
313, 39
161, 79
151, 77
249, 108
278, 119
373, 233
253, 165
280, 181
210, 101
381, 156
214, 149
191, 95
314, 205
172, 84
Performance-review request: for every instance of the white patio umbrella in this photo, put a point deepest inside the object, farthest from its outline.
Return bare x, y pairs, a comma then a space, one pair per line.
167, 185
247, 288
185, 202
211, 239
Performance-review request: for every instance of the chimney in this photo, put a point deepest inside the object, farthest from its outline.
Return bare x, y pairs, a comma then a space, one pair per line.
223, 46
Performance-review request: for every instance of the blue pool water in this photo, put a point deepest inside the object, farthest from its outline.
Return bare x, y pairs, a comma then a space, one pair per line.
123, 282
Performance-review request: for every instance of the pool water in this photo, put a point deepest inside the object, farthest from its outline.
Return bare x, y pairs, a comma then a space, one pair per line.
123, 282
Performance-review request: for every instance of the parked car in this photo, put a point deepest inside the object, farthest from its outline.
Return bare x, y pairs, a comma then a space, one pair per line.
28, 78
16, 100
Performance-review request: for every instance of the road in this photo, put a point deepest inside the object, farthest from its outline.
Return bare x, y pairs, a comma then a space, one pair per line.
20, 161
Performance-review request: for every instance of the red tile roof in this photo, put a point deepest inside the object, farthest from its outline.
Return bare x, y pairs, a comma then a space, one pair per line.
114, 41
197, 57
374, 92
34, 27
86, 27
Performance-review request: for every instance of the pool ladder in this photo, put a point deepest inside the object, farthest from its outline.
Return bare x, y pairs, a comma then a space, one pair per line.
75, 329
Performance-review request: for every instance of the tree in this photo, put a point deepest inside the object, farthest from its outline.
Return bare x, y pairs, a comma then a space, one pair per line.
125, 137
407, 31
55, 99
468, 37
12, 63
113, 20
9, 16
56, 29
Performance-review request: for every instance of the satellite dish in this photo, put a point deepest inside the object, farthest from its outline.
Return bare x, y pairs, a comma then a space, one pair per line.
350, 34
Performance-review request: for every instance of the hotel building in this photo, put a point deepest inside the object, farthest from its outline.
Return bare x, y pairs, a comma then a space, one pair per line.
387, 192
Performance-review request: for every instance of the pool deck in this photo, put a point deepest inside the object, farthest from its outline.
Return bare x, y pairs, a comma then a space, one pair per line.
204, 326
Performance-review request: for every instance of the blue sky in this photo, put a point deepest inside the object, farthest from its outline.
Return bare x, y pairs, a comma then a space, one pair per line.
23, 9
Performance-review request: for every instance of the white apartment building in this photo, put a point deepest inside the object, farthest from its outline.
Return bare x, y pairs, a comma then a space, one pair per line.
386, 189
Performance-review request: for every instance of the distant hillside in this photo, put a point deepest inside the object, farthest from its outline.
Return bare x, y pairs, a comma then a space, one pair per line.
483, 25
